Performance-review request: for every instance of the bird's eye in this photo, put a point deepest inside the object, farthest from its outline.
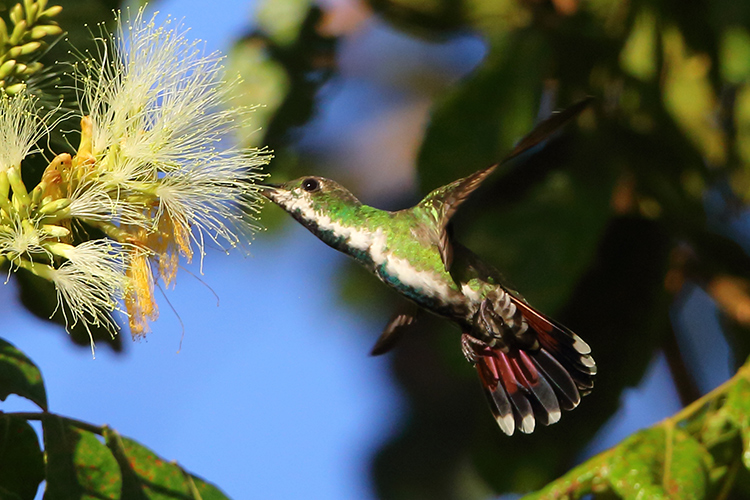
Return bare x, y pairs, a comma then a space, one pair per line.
310, 185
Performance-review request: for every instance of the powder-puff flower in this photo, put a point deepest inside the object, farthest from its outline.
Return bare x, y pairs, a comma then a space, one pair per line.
153, 172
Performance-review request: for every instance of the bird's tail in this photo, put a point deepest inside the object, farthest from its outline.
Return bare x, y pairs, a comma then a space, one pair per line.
526, 386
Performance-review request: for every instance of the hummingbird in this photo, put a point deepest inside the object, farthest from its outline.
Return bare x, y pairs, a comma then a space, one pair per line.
530, 366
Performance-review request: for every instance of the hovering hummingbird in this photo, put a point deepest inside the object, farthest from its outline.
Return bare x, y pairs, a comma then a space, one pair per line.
530, 366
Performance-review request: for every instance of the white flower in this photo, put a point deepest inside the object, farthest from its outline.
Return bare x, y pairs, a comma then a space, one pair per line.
90, 284
20, 238
20, 128
159, 111
153, 172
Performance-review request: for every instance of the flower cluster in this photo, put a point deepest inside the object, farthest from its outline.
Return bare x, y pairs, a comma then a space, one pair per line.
151, 172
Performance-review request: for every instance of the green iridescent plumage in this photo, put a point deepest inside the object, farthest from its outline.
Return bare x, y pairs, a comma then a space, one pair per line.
530, 366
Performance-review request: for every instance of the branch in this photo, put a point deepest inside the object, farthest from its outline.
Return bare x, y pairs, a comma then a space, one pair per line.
39, 415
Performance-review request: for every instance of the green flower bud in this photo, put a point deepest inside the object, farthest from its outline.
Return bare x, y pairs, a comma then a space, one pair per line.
62, 249
15, 88
38, 32
3, 32
32, 68
52, 11
16, 14
25, 49
19, 188
18, 31
32, 9
55, 231
6, 68
53, 207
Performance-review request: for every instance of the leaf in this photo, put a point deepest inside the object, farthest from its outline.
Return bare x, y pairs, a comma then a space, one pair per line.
688, 468
21, 460
79, 466
148, 476
660, 463
19, 375
737, 408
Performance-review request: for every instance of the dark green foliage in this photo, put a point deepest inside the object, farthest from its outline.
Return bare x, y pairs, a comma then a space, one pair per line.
19, 375
21, 460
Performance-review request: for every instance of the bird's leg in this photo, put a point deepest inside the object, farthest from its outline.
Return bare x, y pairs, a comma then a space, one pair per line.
488, 326
472, 348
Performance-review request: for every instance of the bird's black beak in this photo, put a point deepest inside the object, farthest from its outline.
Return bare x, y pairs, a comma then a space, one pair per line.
268, 190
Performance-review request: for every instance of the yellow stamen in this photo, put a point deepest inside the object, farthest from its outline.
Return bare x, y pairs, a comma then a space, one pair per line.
139, 298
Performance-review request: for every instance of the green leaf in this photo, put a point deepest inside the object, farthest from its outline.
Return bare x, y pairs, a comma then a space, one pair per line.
688, 467
660, 463
737, 408
148, 476
79, 466
636, 465
19, 375
21, 460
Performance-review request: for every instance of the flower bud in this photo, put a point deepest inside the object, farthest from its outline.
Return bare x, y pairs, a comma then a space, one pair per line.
3, 32
19, 188
18, 30
53, 207
16, 14
15, 88
54, 231
38, 32
52, 11
24, 50
6, 68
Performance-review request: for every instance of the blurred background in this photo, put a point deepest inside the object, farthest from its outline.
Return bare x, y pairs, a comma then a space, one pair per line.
629, 226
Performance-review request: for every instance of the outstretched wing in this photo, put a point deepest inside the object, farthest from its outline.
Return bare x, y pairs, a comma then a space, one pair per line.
444, 201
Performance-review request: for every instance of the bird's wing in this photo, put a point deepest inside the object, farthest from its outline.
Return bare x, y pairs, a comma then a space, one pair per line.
394, 330
444, 201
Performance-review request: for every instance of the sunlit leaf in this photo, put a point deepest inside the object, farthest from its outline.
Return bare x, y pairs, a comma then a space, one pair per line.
79, 466
282, 20
690, 98
148, 476
636, 466
638, 57
735, 54
737, 407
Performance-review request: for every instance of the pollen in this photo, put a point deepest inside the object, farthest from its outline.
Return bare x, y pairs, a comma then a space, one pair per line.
139, 298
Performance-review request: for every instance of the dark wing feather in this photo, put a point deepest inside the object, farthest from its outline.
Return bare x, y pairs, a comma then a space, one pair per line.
547, 127
445, 201
394, 330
